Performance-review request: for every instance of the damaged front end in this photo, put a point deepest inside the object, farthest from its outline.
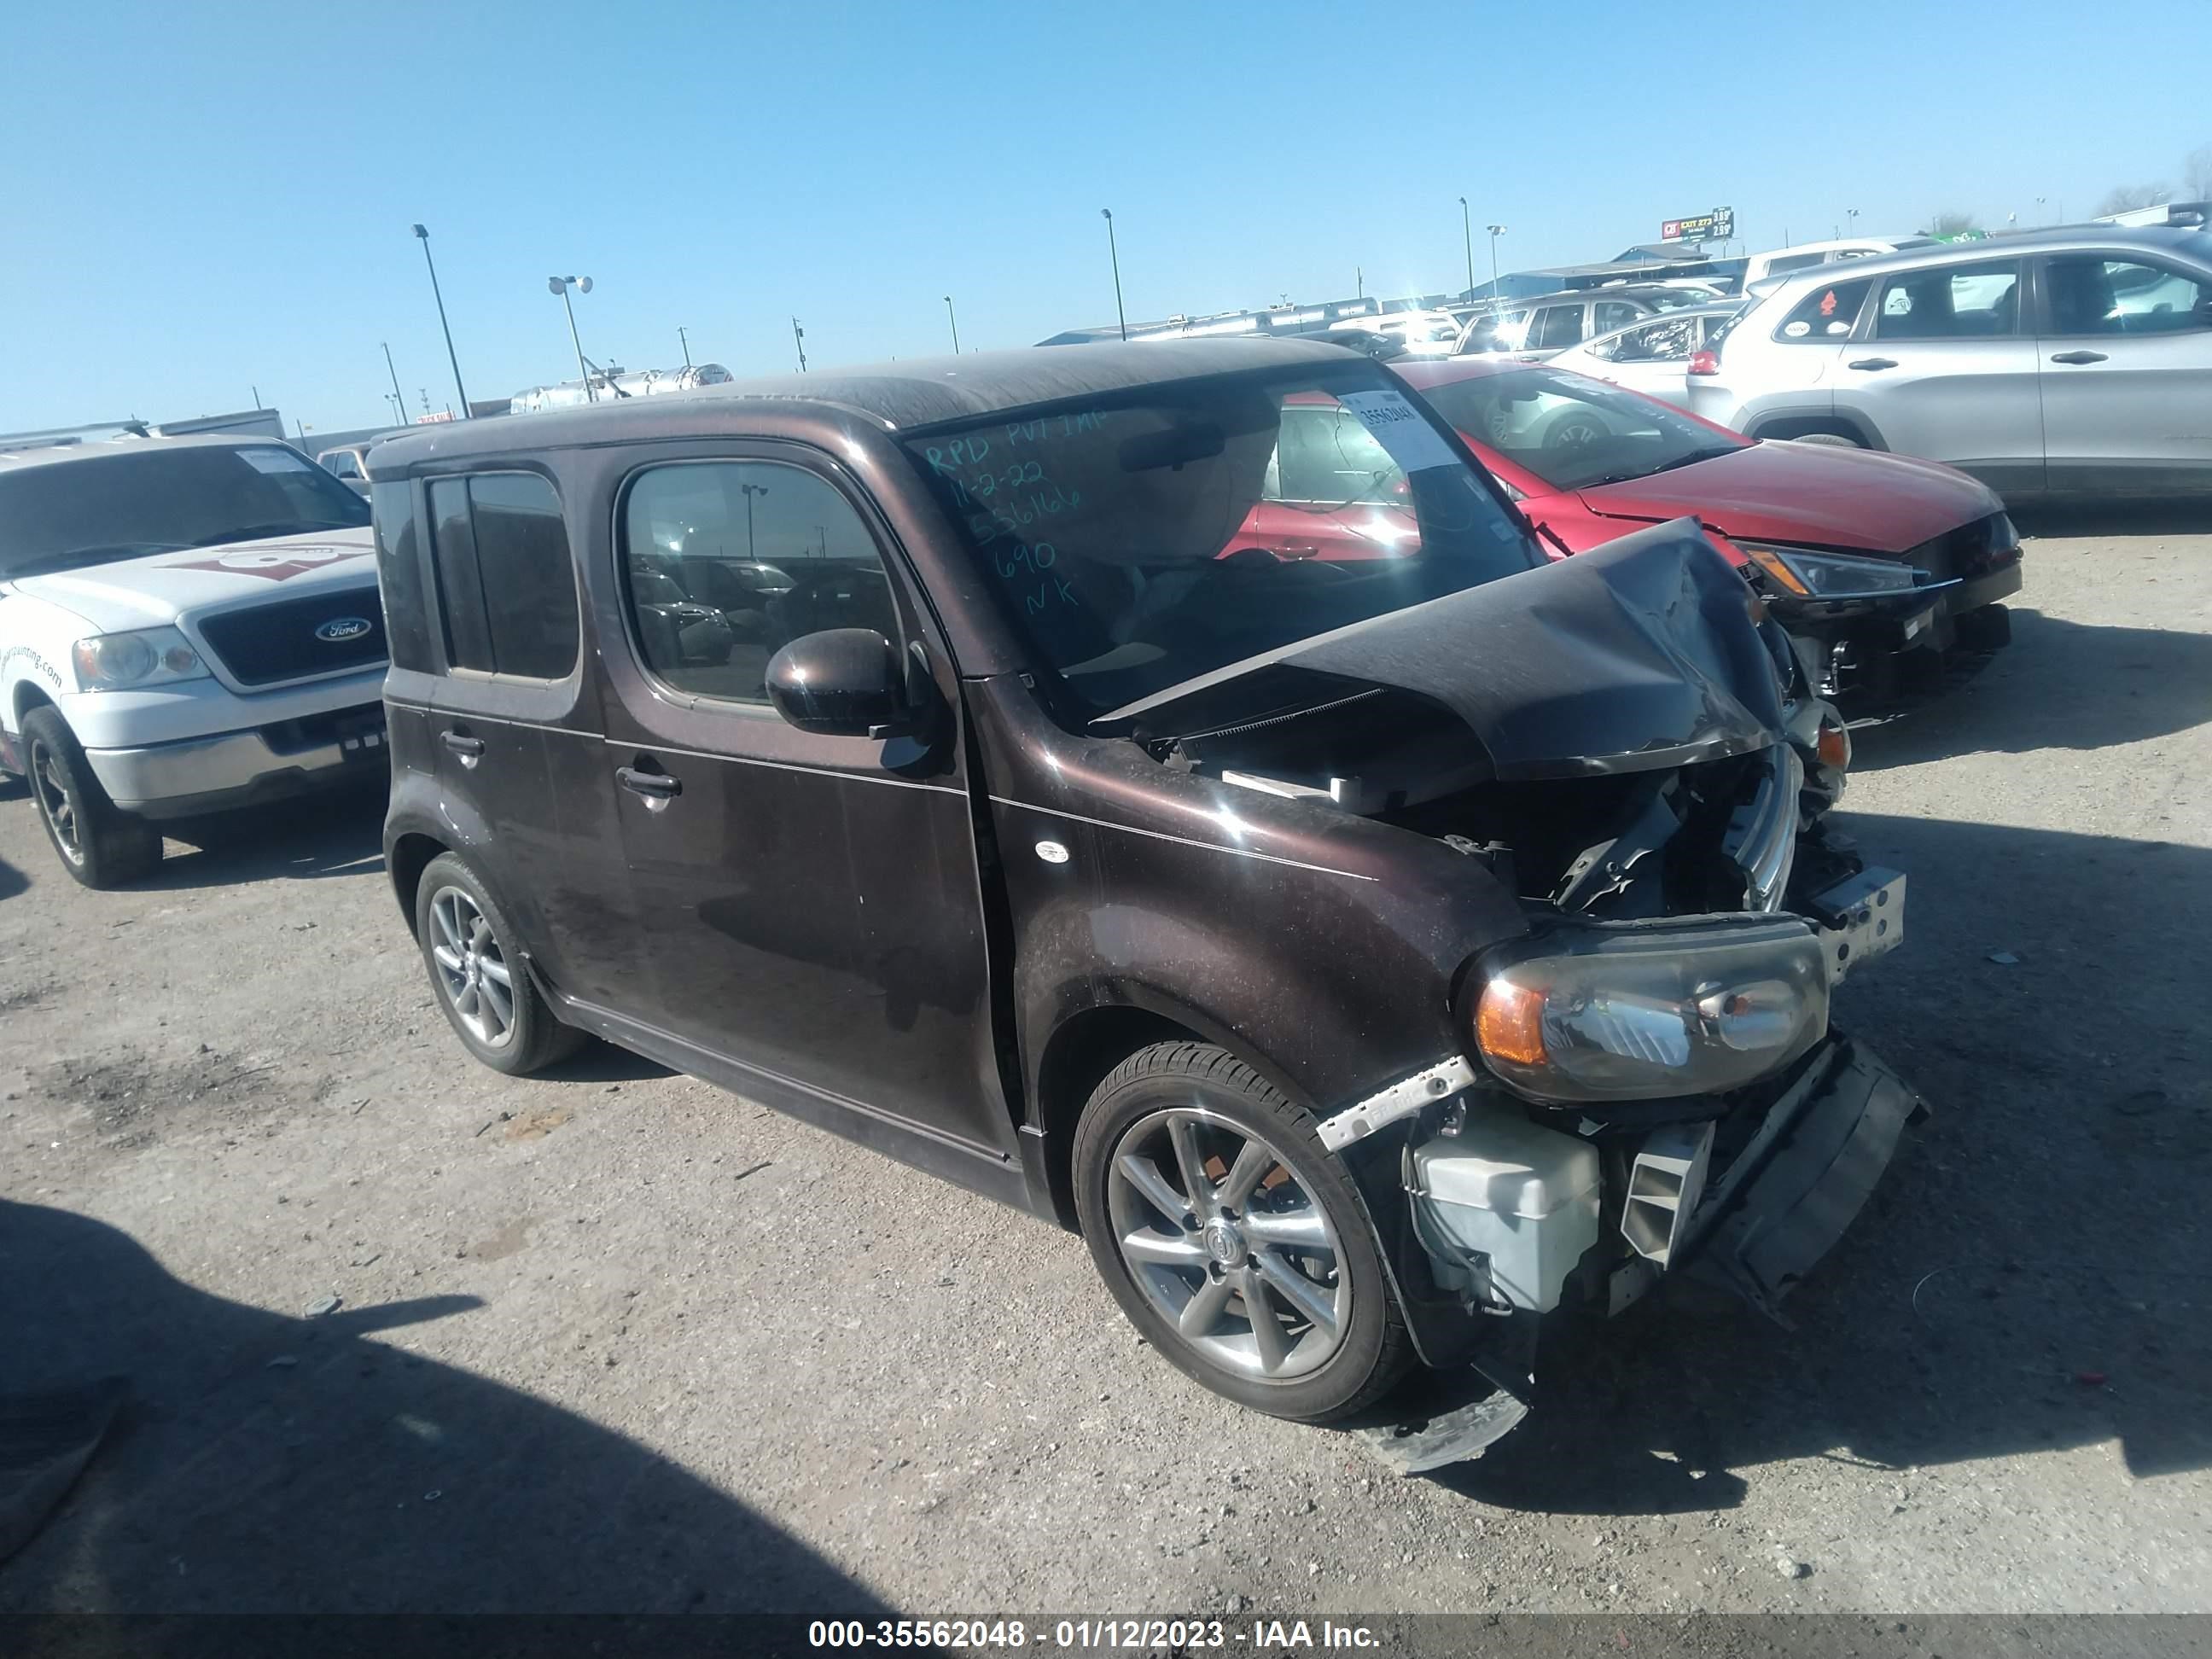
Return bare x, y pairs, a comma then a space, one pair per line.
1648, 1082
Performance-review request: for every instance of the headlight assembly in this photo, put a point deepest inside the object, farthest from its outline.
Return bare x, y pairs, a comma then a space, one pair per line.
1651, 1010
1828, 575
148, 656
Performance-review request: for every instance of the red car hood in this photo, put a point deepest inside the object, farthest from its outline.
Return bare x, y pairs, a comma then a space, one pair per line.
1812, 494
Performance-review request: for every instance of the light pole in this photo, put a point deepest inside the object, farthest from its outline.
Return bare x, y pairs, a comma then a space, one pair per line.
750, 490
686, 339
423, 236
397, 402
398, 408
798, 339
1113, 253
561, 285
955, 321
1496, 231
1852, 217
1466, 236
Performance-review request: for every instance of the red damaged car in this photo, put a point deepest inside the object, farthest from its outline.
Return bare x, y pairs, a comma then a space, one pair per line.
1885, 563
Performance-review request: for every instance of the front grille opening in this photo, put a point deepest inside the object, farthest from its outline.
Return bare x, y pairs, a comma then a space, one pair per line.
298, 639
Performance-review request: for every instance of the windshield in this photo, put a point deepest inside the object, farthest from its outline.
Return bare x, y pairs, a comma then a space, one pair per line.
76, 512
1141, 539
1674, 299
1572, 432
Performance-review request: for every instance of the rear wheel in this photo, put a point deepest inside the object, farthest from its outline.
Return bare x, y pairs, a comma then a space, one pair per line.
100, 844
477, 967
1232, 1238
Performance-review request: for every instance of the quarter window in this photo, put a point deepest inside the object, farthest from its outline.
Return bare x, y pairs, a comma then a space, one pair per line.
1557, 328
1951, 302
399, 578
1826, 313
2090, 296
726, 563
506, 585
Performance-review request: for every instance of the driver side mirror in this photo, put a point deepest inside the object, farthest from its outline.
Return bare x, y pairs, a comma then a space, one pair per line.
840, 682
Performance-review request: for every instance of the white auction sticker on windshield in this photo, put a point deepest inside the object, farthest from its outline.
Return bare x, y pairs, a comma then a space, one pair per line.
1400, 429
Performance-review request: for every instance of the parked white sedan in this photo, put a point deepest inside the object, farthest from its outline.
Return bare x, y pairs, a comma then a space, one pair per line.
1652, 356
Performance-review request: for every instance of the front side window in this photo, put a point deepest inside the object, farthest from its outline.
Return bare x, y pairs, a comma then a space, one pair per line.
2093, 295
342, 465
726, 563
1826, 313
1137, 540
158, 500
506, 585
1951, 302
1574, 432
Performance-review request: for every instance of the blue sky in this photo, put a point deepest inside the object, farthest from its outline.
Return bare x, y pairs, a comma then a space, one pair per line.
201, 200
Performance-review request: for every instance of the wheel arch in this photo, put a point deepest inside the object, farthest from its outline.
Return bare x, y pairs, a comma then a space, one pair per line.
1843, 421
406, 858
24, 697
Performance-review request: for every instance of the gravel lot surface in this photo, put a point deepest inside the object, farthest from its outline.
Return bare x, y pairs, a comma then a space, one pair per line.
621, 1341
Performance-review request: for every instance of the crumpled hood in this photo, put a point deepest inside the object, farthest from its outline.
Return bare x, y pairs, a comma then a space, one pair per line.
149, 592
1638, 655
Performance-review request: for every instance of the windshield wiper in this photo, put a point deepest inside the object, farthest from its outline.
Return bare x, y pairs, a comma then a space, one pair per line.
1690, 459
262, 532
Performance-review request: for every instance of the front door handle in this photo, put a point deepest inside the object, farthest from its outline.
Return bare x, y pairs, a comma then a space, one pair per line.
1874, 362
2079, 357
653, 786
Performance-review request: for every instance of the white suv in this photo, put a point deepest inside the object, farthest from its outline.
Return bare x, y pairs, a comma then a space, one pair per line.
186, 624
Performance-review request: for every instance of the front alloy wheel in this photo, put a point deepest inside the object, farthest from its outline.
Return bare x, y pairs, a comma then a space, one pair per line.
1218, 1233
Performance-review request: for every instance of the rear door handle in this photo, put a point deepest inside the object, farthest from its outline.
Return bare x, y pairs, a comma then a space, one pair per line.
653, 786
467, 748
1874, 362
2079, 357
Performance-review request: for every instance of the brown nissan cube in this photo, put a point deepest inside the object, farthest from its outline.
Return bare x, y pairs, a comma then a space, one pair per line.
1374, 945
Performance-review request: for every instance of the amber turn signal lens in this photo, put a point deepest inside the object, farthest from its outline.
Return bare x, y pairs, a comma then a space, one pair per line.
1508, 1023
1834, 746
1781, 572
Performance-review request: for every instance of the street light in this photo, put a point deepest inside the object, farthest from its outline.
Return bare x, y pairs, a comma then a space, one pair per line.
1466, 235
798, 340
1113, 253
423, 236
955, 321
1496, 231
750, 490
397, 402
1852, 215
561, 285
686, 340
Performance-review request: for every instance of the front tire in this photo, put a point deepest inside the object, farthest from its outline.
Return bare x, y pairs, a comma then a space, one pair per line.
477, 967
98, 843
1234, 1240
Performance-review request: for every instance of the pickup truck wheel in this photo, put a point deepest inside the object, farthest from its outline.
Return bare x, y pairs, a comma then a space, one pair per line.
1234, 1240
100, 844
476, 969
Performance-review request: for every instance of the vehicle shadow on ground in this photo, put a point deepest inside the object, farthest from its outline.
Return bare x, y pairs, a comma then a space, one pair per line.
2059, 685
2147, 518
307, 839
2032, 1274
12, 880
268, 1463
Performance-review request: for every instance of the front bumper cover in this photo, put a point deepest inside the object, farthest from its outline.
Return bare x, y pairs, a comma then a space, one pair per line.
1785, 1200
239, 768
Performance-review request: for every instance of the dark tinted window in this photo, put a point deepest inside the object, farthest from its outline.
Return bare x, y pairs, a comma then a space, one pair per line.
399, 578
1557, 328
1617, 313
1951, 302
505, 583
155, 499
1826, 313
2091, 294
725, 563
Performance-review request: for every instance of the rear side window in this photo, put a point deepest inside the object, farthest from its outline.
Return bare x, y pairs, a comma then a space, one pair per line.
2090, 293
1951, 302
506, 585
726, 563
1557, 328
399, 578
1826, 313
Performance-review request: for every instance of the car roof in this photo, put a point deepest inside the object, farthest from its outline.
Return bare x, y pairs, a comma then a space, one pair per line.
897, 397
1719, 308
54, 451
2109, 238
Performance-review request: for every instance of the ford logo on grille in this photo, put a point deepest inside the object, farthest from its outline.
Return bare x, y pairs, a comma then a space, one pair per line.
338, 629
